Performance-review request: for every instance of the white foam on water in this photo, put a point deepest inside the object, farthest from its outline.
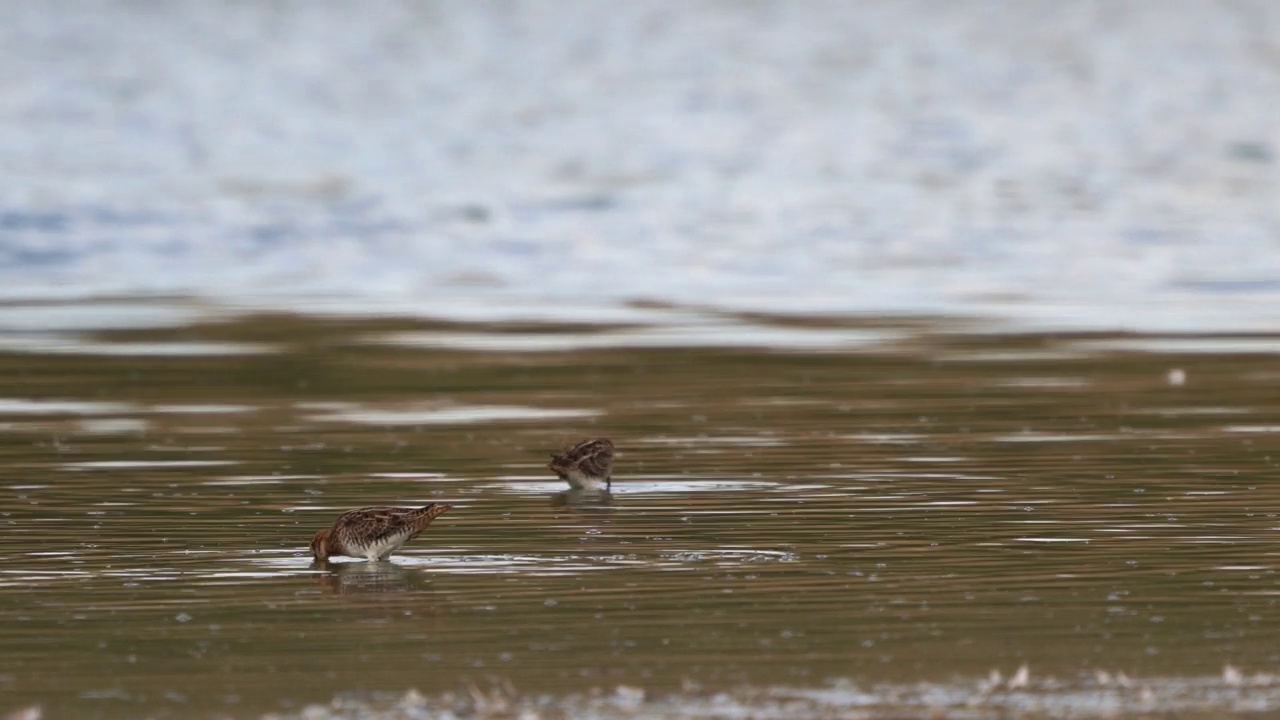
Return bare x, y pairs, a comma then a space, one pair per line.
1104, 694
447, 415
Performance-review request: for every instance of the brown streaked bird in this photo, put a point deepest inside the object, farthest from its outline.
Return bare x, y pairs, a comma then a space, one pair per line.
374, 532
587, 465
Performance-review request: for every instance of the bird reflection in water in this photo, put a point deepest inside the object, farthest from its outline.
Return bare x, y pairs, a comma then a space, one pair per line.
589, 500
362, 578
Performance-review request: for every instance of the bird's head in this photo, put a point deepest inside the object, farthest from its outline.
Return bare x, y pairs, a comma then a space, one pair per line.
320, 546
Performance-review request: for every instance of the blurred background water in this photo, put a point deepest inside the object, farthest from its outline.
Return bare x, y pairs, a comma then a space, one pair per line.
1093, 164
938, 339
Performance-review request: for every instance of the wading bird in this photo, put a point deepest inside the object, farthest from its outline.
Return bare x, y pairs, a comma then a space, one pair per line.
374, 532
587, 465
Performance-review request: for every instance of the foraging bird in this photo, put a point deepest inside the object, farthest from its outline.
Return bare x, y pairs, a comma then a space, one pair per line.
587, 465
374, 532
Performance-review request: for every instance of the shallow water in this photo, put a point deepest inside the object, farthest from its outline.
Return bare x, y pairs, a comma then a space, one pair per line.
909, 513
596, 213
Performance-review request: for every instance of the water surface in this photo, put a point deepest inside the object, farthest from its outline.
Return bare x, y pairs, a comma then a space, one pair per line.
1064, 165
878, 526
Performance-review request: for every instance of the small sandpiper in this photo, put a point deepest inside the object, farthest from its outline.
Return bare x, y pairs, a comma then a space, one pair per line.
587, 465
374, 532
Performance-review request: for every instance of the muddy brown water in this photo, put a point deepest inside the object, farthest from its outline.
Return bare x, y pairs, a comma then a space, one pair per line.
919, 508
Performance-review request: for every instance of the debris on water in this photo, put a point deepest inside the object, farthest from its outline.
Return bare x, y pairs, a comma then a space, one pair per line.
1177, 377
627, 696
994, 681
1107, 679
1233, 676
991, 683
493, 702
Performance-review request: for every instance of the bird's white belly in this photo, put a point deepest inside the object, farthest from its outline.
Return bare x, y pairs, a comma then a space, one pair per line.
579, 480
381, 548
